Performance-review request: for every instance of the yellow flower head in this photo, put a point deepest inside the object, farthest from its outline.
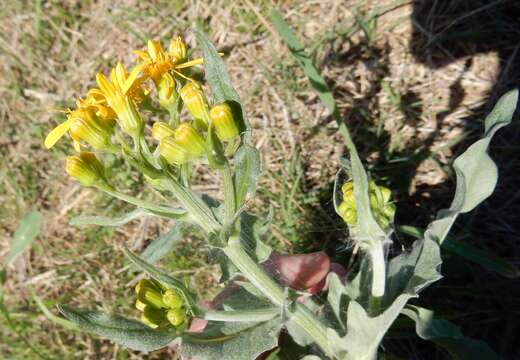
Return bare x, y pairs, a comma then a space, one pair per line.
86, 125
119, 93
177, 50
96, 100
83, 123
155, 61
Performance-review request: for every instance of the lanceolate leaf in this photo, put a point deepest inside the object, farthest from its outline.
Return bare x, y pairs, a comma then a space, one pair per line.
24, 235
247, 170
125, 218
166, 279
448, 336
126, 332
163, 244
231, 341
109, 221
476, 172
219, 81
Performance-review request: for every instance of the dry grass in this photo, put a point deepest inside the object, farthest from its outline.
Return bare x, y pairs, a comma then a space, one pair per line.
394, 103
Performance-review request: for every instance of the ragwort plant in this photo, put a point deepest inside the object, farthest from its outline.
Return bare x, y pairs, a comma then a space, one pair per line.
351, 317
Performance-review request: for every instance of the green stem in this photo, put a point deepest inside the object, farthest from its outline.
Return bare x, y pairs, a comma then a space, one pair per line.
193, 204
141, 203
301, 316
242, 316
377, 258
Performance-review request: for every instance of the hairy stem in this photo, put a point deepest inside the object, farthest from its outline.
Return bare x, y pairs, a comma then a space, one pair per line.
377, 257
141, 203
242, 316
301, 316
194, 205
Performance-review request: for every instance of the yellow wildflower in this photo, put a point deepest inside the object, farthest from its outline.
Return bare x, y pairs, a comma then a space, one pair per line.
83, 123
118, 93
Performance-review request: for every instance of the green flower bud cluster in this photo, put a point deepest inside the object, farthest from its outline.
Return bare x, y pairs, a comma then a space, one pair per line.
380, 204
159, 306
220, 115
187, 142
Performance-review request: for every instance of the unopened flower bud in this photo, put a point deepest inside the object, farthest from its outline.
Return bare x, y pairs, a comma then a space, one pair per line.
350, 216
347, 187
389, 211
146, 283
153, 317
172, 299
385, 194
139, 305
222, 119
176, 316
85, 125
177, 50
347, 212
85, 168
167, 91
161, 130
173, 152
195, 101
374, 204
189, 138
151, 297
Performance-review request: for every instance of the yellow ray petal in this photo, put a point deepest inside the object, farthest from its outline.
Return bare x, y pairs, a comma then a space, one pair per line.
57, 133
132, 78
120, 72
77, 145
190, 63
141, 54
193, 62
105, 86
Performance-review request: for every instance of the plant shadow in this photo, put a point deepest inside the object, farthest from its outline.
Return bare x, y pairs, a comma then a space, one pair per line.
478, 300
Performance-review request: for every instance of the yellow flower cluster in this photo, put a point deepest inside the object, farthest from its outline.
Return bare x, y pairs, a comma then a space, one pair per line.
160, 307
114, 105
380, 204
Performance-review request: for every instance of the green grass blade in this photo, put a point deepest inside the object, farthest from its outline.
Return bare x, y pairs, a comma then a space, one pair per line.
24, 235
469, 252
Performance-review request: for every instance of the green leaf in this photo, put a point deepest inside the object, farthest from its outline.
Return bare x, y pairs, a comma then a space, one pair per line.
247, 170
305, 62
476, 172
161, 276
231, 341
122, 219
24, 235
109, 221
129, 333
163, 244
485, 259
364, 333
447, 335
219, 82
